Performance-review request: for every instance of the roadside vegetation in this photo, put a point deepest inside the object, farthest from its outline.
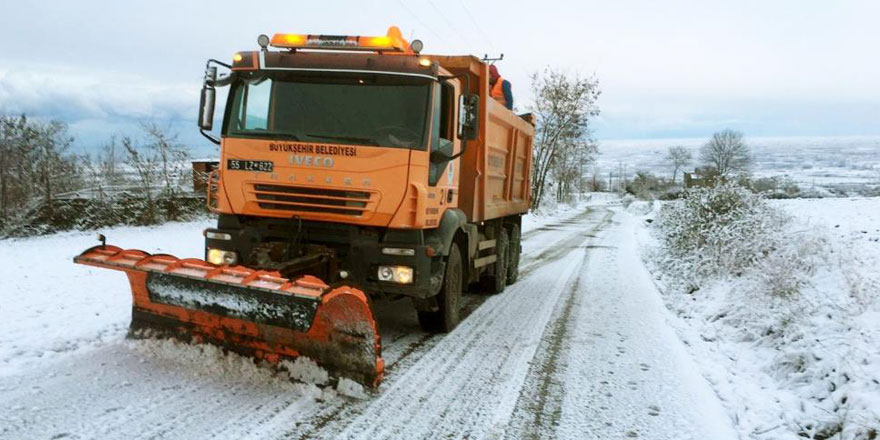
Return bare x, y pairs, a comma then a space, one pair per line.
779, 314
131, 181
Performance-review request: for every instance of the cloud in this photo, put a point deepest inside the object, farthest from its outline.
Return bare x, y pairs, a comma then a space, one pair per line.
99, 104
75, 95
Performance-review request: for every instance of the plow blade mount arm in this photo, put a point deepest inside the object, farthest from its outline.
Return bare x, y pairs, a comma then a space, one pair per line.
253, 312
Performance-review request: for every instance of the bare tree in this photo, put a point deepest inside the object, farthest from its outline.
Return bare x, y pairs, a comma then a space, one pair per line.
678, 158
563, 108
34, 166
727, 153
55, 170
145, 166
161, 167
170, 157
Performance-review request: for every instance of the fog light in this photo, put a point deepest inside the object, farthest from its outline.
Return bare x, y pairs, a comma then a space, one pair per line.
221, 257
396, 274
386, 273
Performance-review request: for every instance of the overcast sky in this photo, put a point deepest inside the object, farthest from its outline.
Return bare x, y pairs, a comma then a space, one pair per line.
666, 68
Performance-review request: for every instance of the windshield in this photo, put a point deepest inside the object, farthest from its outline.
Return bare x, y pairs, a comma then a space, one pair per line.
379, 110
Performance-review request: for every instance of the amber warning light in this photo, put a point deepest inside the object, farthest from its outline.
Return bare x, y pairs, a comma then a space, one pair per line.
392, 41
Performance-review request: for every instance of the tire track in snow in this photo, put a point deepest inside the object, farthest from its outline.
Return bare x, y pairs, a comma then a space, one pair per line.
404, 339
444, 393
576, 219
539, 405
617, 370
563, 246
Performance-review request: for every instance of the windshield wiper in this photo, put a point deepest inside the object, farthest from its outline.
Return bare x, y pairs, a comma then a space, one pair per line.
363, 140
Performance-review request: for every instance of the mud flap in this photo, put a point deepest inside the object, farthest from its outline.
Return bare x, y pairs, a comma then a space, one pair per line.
256, 313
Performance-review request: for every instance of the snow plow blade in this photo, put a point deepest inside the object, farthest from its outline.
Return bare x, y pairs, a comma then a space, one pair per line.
252, 312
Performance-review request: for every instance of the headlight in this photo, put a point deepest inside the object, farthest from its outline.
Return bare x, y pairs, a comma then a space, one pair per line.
396, 274
221, 257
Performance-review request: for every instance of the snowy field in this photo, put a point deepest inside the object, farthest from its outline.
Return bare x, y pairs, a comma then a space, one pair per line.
808, 161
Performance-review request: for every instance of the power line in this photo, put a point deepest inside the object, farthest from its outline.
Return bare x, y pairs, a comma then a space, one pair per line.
419, 20
452, 26
477, 25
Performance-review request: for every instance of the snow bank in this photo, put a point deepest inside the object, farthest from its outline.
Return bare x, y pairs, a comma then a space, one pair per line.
305, 370
301, 377
789, 336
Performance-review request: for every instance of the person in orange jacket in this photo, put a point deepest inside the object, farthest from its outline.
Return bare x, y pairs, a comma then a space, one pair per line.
499, 88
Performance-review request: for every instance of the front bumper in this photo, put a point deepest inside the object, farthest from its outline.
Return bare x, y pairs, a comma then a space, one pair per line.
361, 259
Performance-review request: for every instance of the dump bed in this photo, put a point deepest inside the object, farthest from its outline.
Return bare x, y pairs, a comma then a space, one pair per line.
495, 168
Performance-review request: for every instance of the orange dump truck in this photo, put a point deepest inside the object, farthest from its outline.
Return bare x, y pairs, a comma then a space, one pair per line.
350, 167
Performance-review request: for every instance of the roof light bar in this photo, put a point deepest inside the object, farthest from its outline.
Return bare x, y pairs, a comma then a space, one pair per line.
392, 41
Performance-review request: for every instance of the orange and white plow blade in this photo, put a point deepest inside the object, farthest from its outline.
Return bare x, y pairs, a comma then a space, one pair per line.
253, 312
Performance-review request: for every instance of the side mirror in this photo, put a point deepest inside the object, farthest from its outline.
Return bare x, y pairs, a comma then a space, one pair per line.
468, 120
206, 108
209, 96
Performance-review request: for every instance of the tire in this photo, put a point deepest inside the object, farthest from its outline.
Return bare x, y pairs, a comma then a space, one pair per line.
499, 279
514, 250
449, 298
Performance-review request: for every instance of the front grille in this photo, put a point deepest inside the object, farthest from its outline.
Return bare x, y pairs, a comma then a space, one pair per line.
313, 200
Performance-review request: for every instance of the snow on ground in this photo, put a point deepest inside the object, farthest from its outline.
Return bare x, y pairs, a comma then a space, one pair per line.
578, 348
50, 306
804, 365
852, 223
551, 211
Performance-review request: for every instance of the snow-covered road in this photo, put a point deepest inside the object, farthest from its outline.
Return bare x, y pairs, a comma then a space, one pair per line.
578, 348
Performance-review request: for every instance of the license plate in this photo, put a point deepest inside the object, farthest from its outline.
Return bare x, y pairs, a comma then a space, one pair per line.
263, 166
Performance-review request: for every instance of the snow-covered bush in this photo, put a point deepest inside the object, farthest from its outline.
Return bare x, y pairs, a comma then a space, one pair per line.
718, 230
790, 264
784, 320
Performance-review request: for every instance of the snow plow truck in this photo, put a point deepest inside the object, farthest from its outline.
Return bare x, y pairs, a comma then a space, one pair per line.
350, 167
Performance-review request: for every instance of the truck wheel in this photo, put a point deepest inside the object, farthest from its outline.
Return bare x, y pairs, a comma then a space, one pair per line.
499, 280
513, 251
445, 319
